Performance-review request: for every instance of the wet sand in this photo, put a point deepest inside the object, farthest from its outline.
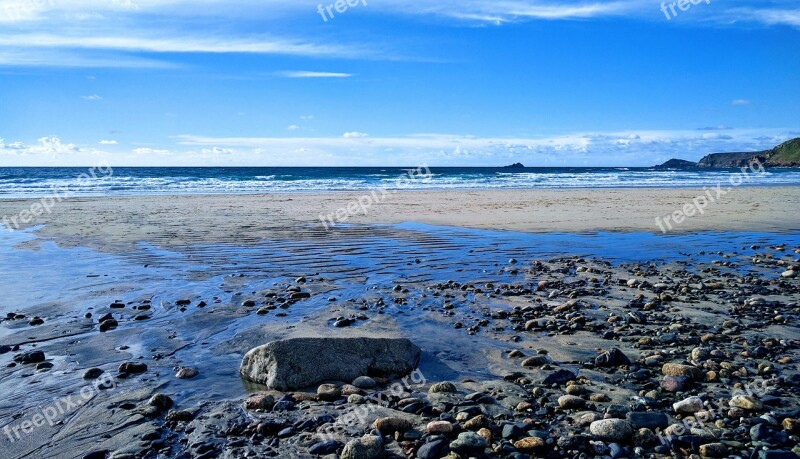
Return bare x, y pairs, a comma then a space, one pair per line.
175, 220
197, 281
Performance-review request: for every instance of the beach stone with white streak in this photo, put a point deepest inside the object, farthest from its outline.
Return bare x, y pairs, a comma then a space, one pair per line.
298, 363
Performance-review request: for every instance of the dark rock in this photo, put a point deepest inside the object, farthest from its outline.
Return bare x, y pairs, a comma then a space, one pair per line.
133, 367
612, 358
433, 449
29, 357
649, 420
559, 377
324, 447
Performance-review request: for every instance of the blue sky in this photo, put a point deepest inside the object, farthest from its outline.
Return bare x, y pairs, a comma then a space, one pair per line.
394, 82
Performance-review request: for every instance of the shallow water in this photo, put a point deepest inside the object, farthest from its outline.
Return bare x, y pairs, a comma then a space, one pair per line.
62, 284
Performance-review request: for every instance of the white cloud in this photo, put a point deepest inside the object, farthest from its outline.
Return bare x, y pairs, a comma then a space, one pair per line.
307, 117
175, 44
293, 127
147, 150
740, 102
51, 145
309, 74
354, 135
92, 97
108, 142
217, 151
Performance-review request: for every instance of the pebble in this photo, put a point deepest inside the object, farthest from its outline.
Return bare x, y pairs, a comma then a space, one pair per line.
611, 429
689, 405
328, 392
686, 371
529, 443
186, 373
367, 447
365, 382
391, 425
133, 367
444, 387
714, 450
571, 402
747, 402
468, 442
439, 427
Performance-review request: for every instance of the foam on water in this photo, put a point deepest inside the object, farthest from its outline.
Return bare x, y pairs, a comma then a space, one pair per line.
39, 182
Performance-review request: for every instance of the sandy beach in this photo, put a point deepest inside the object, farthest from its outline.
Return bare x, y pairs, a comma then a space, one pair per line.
170, 220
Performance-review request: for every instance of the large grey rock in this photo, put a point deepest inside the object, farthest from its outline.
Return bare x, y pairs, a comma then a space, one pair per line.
298, 363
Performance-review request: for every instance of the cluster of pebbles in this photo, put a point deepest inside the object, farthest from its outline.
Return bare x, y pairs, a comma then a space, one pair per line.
692, 359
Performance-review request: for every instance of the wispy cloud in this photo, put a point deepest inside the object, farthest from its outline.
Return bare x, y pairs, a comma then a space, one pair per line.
740, 102
310, 74
176, 44
92, 97
108, 142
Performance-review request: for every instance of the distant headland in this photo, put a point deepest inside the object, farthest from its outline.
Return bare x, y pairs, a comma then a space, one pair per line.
786, 154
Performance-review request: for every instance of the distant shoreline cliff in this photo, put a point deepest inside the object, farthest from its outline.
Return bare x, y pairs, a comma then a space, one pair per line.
784, 155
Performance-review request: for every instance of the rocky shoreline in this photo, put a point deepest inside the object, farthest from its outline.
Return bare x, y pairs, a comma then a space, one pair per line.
565, 356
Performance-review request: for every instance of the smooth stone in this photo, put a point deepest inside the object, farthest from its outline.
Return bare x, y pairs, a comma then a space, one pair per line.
92, 373
186, 373
529, 443
297, 363
328, 392
648, 420
690, 405
391, 425
365, 382
324, 447
747, 402
611, 429
439, 427
686, 371
367, 447
432, 450
468, 442
537, 361
612, 358
674, 383
133, 367
571, 402
160, 401
259, 402
443, 387
559, 377
714, 450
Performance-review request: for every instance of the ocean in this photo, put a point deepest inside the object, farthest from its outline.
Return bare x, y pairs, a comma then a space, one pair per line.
38, 182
